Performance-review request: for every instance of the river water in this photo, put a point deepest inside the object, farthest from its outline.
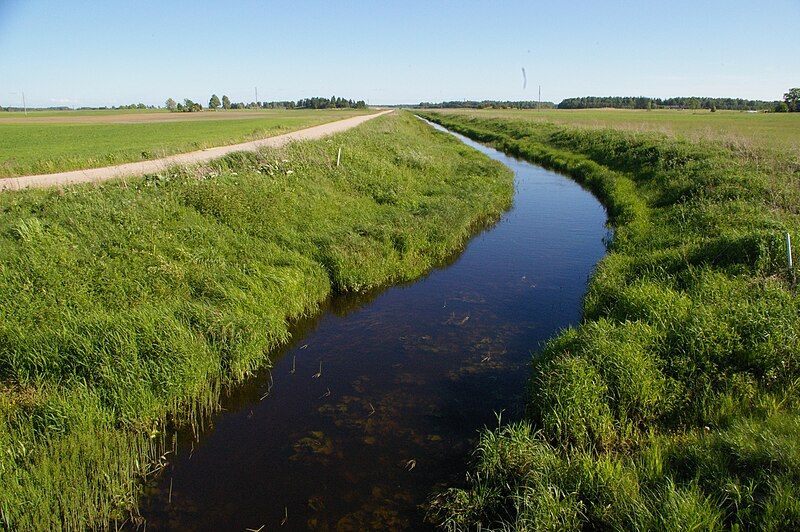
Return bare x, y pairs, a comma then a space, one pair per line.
382, 396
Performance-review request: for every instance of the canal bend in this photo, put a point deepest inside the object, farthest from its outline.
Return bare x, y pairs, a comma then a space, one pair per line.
380, 398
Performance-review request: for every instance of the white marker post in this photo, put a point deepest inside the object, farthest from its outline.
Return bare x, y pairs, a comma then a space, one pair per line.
339, 159
789, 261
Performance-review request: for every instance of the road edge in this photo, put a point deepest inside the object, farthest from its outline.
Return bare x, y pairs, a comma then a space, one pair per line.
96, 175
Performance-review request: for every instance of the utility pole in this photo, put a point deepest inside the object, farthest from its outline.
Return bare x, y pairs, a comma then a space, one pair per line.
539, 106
257, 98
24, 106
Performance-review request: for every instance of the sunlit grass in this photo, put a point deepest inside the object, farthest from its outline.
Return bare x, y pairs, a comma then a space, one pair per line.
739, 130
37, 147
125, 306
675, 404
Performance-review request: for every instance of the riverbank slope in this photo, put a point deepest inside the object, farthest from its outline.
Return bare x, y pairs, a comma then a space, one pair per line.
675, 404
126, 306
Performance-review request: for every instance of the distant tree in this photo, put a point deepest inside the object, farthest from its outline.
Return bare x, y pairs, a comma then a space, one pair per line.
781, 107
214, 102
191, 107
792, 100
628, 102
226, 102
179, 107
649, 105
319, 103
170, 103
713, 108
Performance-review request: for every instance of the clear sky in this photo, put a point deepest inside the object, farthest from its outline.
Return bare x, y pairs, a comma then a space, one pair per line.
114, 52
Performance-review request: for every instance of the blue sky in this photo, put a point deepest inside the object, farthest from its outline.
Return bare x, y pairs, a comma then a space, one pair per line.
114, 52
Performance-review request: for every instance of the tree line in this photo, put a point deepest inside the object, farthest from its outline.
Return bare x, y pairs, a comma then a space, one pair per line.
188, 106
214, 103
487, 104
329, 103
790, 103
680, 102
84, 108
129, 106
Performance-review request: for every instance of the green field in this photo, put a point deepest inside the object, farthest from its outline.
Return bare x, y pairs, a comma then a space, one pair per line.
675, 405
741, 131
47, 142
126, 305
49, 113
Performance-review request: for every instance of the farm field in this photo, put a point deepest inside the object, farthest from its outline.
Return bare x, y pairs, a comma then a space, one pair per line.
125, 307
47, 142
742, 130
674, 405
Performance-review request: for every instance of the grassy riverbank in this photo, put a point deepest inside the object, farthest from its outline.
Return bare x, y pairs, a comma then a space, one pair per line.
126, 306
70, 140
738, 130
675, 404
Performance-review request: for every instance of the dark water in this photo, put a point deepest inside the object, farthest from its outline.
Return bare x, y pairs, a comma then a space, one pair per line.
408, 377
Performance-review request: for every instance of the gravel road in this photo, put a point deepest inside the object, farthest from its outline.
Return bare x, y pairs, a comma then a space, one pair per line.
157, 165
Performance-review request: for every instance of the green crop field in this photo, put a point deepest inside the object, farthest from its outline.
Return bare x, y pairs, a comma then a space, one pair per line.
126, 305
735, 129
47, 142
675, 405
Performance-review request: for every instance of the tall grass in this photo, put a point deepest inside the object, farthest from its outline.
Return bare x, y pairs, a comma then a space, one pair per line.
674, 405
126, 306
746, 134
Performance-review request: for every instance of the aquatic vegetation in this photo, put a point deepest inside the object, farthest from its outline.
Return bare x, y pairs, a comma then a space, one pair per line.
125, 307
674, 405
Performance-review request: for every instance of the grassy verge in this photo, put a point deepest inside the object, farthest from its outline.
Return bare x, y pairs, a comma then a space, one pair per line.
126, 306
39, 147
675, 404
741, 132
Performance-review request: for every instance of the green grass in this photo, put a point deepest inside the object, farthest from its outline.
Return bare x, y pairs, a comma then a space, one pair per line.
674, 405
49, 144
740, 131
125, 306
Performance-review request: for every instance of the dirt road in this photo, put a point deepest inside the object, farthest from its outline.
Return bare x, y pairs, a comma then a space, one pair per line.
139, 117
157, 165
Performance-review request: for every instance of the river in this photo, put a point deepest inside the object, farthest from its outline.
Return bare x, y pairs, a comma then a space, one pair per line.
381, 396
